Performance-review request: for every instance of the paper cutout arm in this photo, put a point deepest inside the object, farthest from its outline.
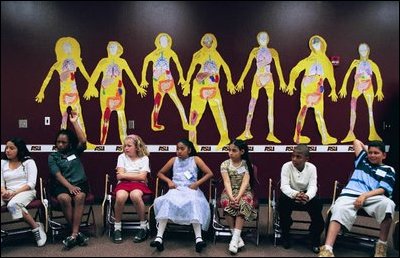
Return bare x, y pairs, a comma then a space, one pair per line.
275, 56
240, 84
140, 90
144, 84
294, 73
379, 94
343, 90
230, 86
186, 87
94, 77
90, 91
40, 96
331, 78
179, 68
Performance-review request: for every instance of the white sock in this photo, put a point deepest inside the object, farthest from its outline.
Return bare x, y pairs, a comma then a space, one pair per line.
197, 232
237, 232
161, 225
382, 242
143, 224
117, 226
328, 247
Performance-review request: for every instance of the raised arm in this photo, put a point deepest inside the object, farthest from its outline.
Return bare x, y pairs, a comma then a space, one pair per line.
73, 118
358, 147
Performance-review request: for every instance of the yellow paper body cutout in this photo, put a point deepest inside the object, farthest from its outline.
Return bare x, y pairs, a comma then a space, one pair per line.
262, 80
365, 68
317, 67
112, 90
68, 54
163, 82
206, 89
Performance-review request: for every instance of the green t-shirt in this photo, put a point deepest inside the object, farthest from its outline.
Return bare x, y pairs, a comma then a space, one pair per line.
69, 164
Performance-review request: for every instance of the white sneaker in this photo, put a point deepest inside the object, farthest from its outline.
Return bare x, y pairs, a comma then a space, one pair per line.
233, 246
240, 243
39, 235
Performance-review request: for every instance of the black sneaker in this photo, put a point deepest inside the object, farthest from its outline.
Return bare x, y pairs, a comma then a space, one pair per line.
81, 239
69, 242
117, 236
140, 236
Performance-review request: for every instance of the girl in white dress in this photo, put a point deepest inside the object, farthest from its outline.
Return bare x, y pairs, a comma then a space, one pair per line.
184, 203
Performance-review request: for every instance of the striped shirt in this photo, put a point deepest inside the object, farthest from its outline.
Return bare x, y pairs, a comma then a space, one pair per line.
367, 177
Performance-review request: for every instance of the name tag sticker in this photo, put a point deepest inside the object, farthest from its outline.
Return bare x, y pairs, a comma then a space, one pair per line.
241, 170
380, 172
187, 174
71, 157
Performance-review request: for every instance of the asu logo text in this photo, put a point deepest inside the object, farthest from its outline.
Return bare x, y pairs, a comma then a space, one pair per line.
225, 148
163, 148
332, 148
269, 148
289, 148
118, 148
99, 148
312, 148
205, 148
36, 148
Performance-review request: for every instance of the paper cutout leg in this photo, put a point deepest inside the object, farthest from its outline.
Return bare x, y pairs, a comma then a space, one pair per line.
220, 119
158, 101
369, 97
315, 100
270, 94
196, 112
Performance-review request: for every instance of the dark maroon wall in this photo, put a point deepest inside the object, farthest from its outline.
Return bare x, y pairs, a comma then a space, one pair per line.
29, 31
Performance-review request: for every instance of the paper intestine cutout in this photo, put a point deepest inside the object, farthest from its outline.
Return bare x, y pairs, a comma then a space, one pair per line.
206, 89
262, 80
317, 67
112, 90
68, 54
365, 68
163, 82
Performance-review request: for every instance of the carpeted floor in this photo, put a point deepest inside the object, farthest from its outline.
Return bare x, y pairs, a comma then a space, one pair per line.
179, 245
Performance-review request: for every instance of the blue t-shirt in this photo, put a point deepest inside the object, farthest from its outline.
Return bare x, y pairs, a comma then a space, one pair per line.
367, 177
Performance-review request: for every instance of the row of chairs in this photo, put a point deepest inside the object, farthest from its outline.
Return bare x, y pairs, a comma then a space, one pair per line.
47, 210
